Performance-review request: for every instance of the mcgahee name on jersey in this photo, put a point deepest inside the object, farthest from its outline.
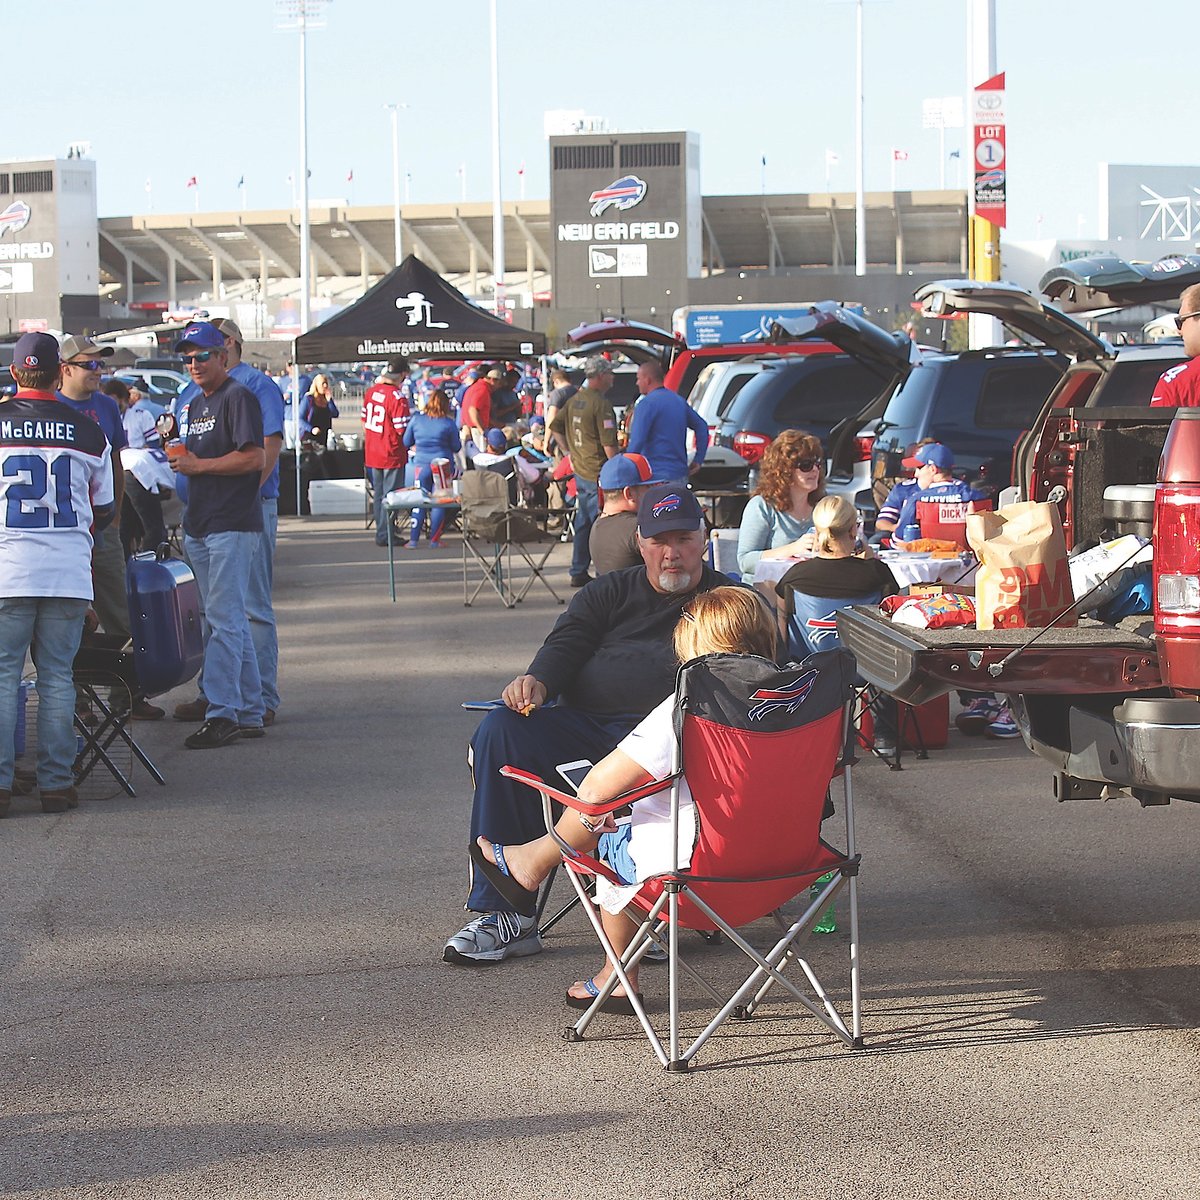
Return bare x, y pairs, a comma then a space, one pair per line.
55, 433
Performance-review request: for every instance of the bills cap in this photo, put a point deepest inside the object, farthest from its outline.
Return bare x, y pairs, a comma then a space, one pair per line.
933, 455
496, 439
203, 334
35, 352
667, 507
77, 344
625, 470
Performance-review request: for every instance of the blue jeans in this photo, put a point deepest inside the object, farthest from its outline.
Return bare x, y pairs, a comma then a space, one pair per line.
259, 608
383, 480
53, 626
437, 518
587, 498
506, 811
232, 684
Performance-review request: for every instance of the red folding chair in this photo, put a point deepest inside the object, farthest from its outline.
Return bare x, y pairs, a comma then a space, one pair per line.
759, 745
946, 520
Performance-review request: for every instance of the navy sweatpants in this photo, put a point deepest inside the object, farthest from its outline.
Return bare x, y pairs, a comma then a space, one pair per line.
509, 812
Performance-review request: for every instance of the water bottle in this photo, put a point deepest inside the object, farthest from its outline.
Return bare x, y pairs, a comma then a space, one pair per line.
827, 921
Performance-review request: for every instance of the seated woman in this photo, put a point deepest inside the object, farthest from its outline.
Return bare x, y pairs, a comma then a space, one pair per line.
841, 571
777, 522
727, 620
430, 435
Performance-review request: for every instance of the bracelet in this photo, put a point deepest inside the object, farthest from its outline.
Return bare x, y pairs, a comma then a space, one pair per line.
589, 826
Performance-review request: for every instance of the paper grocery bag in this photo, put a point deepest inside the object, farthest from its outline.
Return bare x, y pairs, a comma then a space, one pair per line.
1024, 580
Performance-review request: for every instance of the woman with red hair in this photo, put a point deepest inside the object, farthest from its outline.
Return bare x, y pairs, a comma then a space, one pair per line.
777, 522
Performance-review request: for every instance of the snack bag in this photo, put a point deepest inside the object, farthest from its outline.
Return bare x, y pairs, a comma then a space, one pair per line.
935, 612
1024, 580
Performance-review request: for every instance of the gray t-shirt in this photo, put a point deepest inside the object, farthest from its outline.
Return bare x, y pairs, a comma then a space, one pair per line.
612, 542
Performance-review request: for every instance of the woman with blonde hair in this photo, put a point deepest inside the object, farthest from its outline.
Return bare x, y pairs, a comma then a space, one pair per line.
726, 620
317, 410
777, 522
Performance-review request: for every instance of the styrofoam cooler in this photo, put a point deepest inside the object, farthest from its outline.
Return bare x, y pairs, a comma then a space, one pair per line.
337, 497
164, 621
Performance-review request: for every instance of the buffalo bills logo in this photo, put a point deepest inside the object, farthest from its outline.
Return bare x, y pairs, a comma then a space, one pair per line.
668, 504
789, 697
821, 628
15, 217
621, 194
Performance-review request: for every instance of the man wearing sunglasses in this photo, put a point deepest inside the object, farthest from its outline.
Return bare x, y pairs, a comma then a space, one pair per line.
1179, 387
223, 463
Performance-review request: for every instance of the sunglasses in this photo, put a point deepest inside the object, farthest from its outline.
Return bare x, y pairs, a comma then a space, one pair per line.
87, 364
807, 464
1184, 317
199, 357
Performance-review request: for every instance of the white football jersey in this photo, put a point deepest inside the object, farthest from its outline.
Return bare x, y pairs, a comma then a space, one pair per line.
54, 467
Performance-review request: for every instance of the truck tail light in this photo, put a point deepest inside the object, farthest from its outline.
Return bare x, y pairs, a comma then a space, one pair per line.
1177, 555
750, 445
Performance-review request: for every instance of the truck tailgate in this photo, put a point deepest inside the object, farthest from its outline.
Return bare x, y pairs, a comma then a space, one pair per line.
916, 665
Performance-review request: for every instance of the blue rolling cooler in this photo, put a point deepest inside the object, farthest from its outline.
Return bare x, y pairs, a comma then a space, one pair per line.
164, 621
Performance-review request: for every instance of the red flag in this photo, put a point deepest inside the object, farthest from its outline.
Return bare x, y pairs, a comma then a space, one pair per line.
193, 182
900, 155
350, 176
521, 169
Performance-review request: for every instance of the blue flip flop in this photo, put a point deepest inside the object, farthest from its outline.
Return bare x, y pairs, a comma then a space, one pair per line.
498, 875
621, 1005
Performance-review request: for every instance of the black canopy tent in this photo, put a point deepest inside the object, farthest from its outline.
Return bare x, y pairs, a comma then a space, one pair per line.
414, 313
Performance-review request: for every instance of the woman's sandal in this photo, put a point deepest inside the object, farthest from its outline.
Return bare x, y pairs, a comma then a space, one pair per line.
497, 874
621, 1005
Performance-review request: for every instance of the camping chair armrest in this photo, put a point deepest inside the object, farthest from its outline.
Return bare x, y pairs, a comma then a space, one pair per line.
582, 806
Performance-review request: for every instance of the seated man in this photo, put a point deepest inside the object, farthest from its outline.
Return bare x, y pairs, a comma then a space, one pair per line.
623, 481
609, 661
933, 464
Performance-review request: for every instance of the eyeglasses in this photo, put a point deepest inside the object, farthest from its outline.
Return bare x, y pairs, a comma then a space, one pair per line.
86, 364
199, 357
1179, 320
807, 464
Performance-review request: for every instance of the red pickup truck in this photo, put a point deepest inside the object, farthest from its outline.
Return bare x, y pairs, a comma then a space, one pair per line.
1114, 709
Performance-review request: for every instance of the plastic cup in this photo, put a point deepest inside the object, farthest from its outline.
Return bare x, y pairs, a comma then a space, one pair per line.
176, 449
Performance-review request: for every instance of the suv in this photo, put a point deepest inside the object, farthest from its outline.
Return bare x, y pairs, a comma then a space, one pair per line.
1111, 708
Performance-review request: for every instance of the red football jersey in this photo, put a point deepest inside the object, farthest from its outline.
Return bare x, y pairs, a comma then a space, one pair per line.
385, 417
1179, 386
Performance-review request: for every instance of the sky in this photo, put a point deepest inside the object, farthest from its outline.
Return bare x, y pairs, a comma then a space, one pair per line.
214, 94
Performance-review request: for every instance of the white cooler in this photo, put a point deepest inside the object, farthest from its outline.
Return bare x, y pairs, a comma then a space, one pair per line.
337, 497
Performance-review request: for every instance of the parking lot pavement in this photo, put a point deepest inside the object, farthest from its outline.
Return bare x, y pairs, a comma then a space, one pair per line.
231, 986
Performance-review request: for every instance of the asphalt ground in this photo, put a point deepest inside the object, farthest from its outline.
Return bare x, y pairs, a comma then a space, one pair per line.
231, 986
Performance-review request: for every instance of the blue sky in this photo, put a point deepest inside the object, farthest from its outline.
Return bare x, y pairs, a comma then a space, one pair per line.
164, 96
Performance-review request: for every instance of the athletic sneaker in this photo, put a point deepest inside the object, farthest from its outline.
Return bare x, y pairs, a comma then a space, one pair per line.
978, 715
1003, 726
492, 937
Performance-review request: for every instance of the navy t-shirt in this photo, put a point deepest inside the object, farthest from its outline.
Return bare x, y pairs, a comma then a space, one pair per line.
218, 425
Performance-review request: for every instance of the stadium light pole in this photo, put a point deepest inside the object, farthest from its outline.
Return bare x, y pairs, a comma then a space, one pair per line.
497, 202
860, 204
394, 109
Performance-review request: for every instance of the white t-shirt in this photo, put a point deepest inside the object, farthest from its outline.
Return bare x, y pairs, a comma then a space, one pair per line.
140, 429
652, 746
54, 465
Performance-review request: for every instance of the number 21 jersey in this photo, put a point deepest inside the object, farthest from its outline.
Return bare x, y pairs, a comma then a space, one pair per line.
55, 464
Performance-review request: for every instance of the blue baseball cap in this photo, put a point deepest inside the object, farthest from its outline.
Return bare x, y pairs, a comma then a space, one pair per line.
35, 352
203, 334
933, 455
625, 470
667, 507
496, 439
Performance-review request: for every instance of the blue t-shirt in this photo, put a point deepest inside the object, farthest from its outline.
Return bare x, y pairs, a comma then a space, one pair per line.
953, 490
430, 438
105, 411
661, 420
217, 425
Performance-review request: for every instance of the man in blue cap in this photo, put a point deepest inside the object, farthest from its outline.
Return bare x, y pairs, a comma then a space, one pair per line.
613, 541
223, 462
56, 484
933, 464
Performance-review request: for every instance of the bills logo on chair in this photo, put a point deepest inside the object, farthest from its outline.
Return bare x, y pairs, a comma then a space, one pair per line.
789, 697
621, 194
15, 217
820, 628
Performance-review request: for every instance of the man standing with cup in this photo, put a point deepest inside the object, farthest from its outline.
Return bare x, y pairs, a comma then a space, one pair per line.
223, 461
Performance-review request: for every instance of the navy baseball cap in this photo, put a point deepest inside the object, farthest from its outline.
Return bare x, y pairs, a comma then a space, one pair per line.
933, 455
667, 507
35, 352
203, 334
625, 470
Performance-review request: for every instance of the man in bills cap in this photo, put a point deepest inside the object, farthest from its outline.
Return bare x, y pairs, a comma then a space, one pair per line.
57, 484
933, 464
609, 660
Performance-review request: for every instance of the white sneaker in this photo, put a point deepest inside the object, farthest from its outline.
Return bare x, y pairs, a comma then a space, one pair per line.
492, 937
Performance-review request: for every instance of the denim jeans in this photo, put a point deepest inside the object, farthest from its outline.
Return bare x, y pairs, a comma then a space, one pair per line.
587, 497
383, 480
232, 684
259, 608
53, 626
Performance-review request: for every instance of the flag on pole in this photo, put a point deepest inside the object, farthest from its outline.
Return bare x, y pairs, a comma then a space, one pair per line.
830, 157
521, 169
764, 160
900, 156
193, 182
956, 154
350, 175
147, 185
241, 181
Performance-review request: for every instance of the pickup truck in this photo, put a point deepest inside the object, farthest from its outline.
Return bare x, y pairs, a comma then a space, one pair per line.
1113, 709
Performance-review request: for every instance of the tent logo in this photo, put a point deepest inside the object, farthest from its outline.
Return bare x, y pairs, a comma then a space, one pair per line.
622, 194
419, 310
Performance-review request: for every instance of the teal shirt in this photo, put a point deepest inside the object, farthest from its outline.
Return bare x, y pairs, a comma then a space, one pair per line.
764, 527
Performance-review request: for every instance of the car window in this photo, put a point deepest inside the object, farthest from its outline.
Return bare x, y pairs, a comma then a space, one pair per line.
1131, 383
700, 397
907, 410
733, 387
1012, 397
819, 396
